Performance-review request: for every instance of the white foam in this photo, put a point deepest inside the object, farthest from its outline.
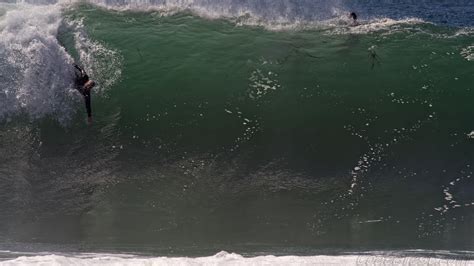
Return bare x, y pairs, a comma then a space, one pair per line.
272, 15
466, 31
373, 25
224, 258
248, 12
468, 54
471, 135
100, 62
36, 72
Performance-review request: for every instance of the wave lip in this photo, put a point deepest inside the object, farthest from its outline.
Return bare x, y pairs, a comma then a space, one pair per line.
305, 12
280, 15
34, 73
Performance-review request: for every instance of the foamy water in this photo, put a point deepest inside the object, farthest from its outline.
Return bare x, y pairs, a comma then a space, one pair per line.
224, 258
36, 73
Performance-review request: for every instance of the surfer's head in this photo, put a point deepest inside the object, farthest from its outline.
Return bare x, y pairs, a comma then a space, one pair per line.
353, 16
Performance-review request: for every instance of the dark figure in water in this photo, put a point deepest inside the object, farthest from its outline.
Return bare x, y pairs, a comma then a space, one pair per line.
353, 16
84, 86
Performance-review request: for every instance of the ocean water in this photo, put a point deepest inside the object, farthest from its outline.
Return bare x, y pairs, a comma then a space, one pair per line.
272, 130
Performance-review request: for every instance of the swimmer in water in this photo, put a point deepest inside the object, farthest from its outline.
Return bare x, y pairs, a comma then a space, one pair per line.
84, 86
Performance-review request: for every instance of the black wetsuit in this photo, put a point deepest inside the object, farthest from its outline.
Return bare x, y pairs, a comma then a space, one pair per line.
353, 15
81, 80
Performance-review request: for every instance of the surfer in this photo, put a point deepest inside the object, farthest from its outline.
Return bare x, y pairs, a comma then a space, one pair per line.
353, 16
84, 86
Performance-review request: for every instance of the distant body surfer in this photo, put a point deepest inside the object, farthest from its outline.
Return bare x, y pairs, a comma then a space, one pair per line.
353, 16
84, 86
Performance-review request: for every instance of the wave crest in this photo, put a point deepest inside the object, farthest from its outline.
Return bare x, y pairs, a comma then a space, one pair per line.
35, 75
36, 70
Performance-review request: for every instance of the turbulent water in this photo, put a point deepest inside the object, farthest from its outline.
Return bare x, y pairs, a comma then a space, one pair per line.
255, 127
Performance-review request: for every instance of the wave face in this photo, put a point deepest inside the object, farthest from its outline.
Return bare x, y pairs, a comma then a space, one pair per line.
211, 134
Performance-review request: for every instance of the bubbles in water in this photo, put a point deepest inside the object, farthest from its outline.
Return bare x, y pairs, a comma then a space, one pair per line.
471, 135
468, 53
252, 126
262, 84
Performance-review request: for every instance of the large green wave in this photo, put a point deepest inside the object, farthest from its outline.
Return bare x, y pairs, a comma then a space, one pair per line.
222, 135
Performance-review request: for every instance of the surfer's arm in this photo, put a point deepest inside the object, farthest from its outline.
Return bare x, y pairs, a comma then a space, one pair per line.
78, 68
83, 73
